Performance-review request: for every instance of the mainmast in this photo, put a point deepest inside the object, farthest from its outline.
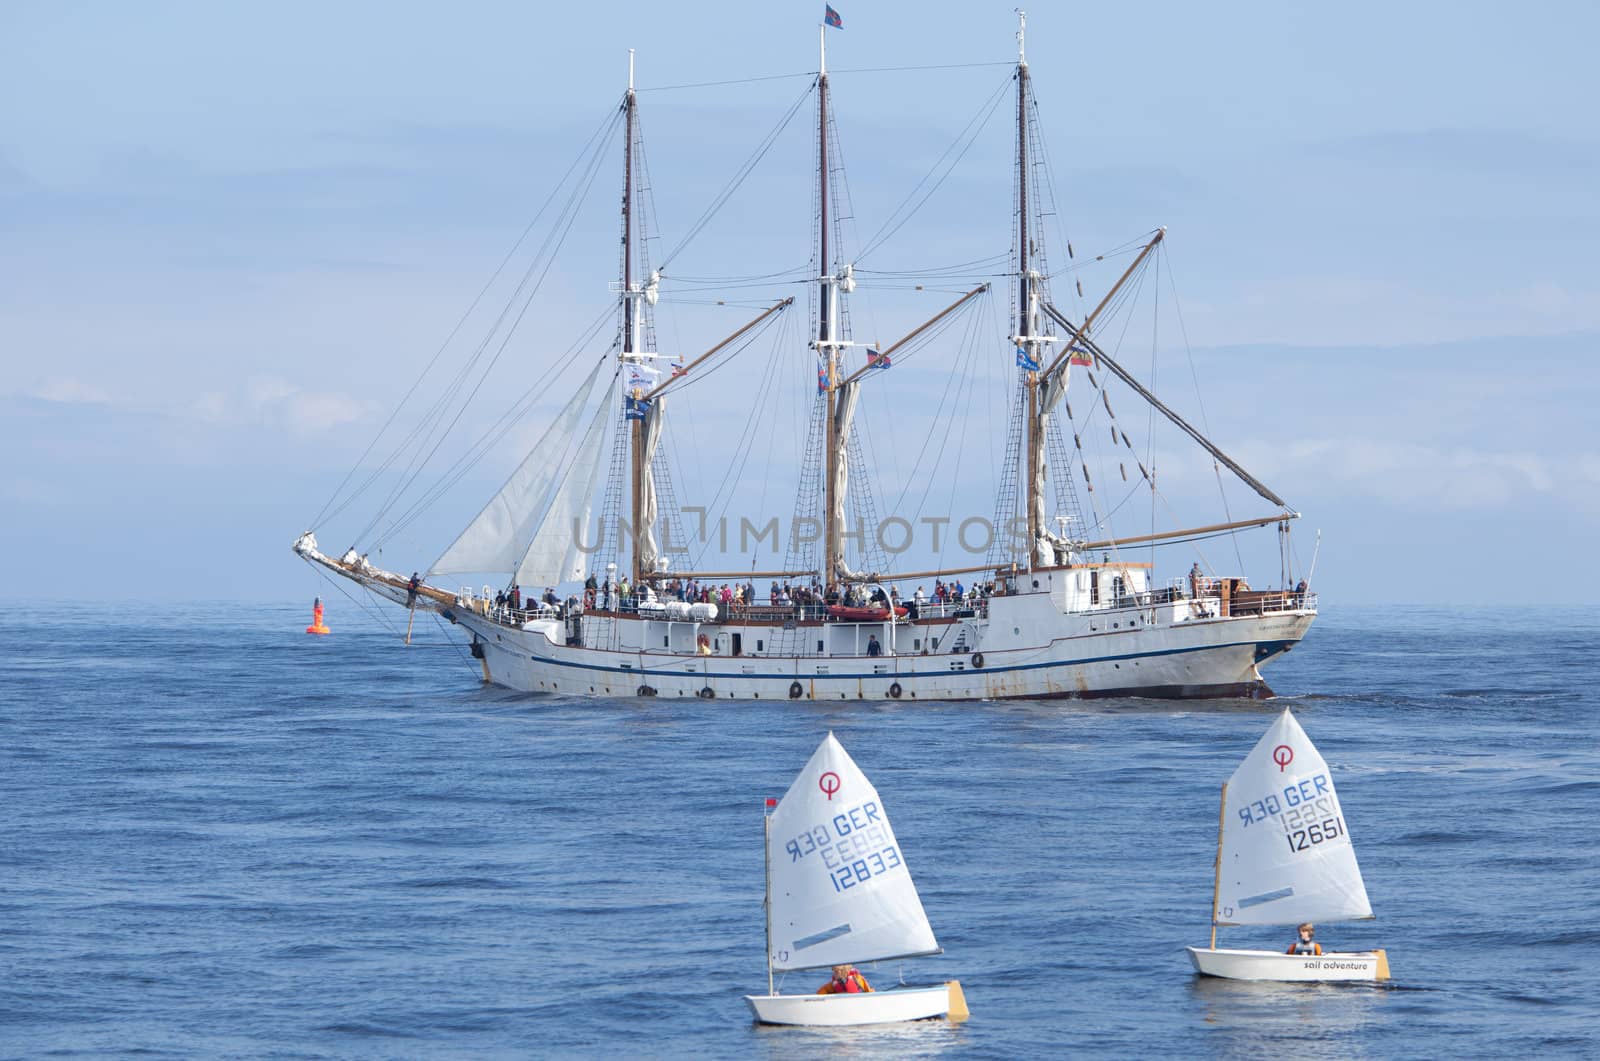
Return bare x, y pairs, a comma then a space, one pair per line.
827, 344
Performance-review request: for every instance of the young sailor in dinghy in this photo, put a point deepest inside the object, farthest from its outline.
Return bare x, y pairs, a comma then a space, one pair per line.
1305, 945
847, 980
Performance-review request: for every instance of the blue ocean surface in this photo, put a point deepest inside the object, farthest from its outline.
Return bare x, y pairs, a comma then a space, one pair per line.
222, 837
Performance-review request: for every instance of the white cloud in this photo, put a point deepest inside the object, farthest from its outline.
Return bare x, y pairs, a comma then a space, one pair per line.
1415, 474
272, 402
68, 390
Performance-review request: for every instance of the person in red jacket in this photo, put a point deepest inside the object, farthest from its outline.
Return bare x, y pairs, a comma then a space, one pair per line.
847, 980
1304, 945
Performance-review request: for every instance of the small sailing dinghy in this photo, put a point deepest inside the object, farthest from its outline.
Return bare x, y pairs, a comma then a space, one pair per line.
1284, 857
839, 893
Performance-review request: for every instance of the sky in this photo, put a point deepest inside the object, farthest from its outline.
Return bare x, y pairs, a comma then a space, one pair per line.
234, 237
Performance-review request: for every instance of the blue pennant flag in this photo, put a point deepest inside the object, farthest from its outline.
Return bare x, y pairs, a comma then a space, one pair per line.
635, 408
832, 18
1024, 361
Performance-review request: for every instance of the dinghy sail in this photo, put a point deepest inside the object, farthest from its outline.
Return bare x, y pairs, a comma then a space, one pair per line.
1284, 857
838, 893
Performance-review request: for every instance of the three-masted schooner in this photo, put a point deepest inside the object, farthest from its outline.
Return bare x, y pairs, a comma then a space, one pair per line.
1047, 619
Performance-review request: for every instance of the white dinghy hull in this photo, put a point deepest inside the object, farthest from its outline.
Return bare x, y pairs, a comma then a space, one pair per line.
837, 1011
1270, 965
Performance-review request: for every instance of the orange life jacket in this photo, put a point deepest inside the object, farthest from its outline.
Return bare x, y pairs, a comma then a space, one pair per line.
853, 983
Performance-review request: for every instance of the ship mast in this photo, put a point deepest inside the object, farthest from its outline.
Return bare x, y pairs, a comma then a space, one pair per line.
1027, 336
630, 322
826, 344
633, 296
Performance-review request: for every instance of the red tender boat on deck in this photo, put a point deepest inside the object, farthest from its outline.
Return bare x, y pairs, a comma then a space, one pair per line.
863, 615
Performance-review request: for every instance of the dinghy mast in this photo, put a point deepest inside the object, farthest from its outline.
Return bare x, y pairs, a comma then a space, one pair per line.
1216, 879
766, 816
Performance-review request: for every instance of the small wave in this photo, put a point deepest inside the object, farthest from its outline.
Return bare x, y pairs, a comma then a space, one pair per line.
461, 883
1533, 1000
366, 1030
1568, 788
1438, 837
307, 950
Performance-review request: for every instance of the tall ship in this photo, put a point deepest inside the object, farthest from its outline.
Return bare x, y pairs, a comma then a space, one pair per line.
595, 590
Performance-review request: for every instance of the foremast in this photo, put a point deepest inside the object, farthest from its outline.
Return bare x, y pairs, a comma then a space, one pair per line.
641, 414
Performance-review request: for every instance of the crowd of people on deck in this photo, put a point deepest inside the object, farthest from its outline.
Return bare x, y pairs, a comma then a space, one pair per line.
801, 597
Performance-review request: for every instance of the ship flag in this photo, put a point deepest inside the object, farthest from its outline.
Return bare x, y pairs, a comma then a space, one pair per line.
831, 17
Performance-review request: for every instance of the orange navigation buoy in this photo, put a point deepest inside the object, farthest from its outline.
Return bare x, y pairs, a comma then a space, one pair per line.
317, 625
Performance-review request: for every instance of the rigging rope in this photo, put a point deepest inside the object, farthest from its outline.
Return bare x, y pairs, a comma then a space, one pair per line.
738, 178
969, 133
552, 245
325, 513
716, 507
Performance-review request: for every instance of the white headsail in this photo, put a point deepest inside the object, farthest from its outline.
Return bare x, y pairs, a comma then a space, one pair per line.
841, 891
553, 556
1286, 855
498, 538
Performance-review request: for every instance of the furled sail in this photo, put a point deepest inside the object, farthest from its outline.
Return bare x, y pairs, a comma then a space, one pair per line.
843, 417
554, 556
1286, 855
840, 889
1052, 388
498, 538
1049, 549
645, 533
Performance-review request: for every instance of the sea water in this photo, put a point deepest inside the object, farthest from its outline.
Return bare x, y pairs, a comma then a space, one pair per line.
220, 836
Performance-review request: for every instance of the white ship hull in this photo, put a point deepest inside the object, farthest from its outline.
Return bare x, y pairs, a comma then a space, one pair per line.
1270, 965
1215, 659
833, 1011
1024, 646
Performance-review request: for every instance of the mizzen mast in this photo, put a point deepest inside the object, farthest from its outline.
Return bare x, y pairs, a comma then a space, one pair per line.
1028, 339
